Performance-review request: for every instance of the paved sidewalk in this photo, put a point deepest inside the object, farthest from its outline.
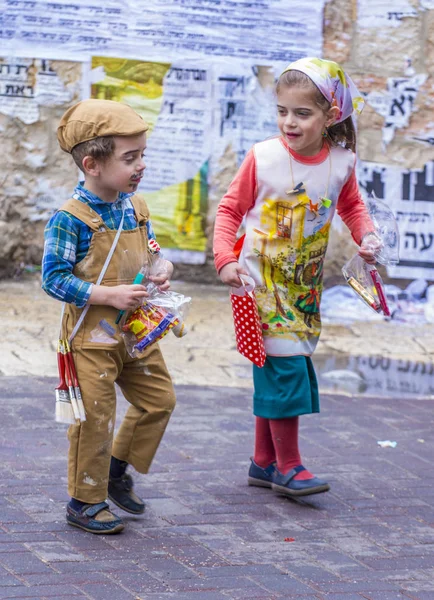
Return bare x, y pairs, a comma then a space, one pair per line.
206, 535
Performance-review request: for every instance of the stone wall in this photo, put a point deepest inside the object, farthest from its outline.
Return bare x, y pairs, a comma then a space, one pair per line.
37, 175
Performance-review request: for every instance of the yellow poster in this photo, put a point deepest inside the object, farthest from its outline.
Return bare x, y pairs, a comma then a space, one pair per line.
174, 99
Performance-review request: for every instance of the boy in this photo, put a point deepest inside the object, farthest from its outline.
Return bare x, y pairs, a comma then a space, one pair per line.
107, 140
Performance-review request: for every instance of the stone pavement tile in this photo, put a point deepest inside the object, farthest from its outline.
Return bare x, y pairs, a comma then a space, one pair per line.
256, 593
118, 564
199, 595
309, 573
7, 579
197, 556
77, 577
241, 570
284, 584
52, 552
42, 591
139, 583
357, 587
23, 562
166, 568
98, 591
215, 584
386, 596
398, 562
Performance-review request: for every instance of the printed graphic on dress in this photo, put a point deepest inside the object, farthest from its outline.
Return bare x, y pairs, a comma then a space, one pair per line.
291, 267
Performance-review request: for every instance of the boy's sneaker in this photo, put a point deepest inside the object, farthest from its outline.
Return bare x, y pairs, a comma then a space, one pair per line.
95, 518
287, 485
259, 476
120, 492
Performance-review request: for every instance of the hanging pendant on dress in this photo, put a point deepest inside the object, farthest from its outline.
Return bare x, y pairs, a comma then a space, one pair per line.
299, 189
326, 202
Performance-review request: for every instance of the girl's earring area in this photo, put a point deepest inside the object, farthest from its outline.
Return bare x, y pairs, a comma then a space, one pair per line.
324, 133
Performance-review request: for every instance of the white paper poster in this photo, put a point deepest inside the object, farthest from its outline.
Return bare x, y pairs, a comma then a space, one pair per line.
165, 29
397, 103
410, 194
245, 108
25, 84
383, 13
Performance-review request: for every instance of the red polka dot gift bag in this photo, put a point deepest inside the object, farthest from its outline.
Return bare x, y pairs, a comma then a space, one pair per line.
248, 330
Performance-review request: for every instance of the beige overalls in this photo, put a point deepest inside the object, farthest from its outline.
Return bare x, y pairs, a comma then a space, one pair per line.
102, 360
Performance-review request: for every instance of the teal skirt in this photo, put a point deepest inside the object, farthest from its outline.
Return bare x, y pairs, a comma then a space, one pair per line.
286, 386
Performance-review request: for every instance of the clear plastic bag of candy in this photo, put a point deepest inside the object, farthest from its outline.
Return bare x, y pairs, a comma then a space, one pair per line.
163, 311
364, 278
367, 283
152, 320
385, 238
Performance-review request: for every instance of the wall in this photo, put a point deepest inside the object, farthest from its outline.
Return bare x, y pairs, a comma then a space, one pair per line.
37, 175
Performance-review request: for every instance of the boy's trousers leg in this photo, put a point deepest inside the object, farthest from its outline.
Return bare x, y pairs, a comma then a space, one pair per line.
147, 386
90, 443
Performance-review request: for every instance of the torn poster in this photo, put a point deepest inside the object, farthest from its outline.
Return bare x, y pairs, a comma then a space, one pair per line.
174, 99
382, 14
410, 194
427, 137
396, 104
245, 107
26, 84
164, 30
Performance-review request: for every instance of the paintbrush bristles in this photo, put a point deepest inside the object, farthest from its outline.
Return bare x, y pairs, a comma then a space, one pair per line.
64, 413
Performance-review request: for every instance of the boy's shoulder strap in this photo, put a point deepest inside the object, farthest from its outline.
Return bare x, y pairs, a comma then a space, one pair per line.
140, 208
83, 212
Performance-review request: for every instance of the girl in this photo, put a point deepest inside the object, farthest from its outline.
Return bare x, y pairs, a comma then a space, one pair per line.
288, 189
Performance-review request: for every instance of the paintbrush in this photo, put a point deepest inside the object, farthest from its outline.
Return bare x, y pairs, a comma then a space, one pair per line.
70, 383
73, 371
64, 412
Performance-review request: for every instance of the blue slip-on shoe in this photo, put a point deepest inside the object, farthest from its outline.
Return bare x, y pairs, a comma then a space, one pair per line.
259, 476
287, 485
95, 518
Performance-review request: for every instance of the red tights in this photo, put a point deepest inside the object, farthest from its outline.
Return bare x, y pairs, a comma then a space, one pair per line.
277, 440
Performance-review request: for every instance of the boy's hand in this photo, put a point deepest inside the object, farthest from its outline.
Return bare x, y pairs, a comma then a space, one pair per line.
122, 297
162, 276
371, 245
229, 274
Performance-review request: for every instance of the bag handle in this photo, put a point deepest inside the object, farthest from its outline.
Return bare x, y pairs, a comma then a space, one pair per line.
247, 286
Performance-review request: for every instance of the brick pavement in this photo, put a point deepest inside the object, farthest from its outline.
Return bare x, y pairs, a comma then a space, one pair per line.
206, 535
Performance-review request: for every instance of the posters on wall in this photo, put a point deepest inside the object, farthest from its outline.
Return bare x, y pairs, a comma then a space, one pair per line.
26, 84
244, 108
173, 98
251, 30
383, 13
410, 194
189, 66
396, 104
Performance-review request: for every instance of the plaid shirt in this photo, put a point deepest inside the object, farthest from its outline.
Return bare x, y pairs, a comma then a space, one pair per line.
67, 241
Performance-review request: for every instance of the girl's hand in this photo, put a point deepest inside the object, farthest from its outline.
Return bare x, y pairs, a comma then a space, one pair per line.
370, 247
229, 274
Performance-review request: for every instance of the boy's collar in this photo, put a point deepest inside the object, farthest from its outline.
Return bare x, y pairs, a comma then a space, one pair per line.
84, 193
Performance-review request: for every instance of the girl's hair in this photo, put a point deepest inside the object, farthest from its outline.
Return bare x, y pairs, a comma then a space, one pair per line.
341, 134
100, 148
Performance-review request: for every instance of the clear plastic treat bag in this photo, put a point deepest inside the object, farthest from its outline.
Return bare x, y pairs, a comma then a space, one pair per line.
364, 278
162, 312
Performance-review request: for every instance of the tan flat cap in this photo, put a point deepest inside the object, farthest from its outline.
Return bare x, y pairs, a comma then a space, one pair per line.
97, 118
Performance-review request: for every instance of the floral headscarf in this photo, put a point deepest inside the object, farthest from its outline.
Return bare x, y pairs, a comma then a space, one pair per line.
333, 83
